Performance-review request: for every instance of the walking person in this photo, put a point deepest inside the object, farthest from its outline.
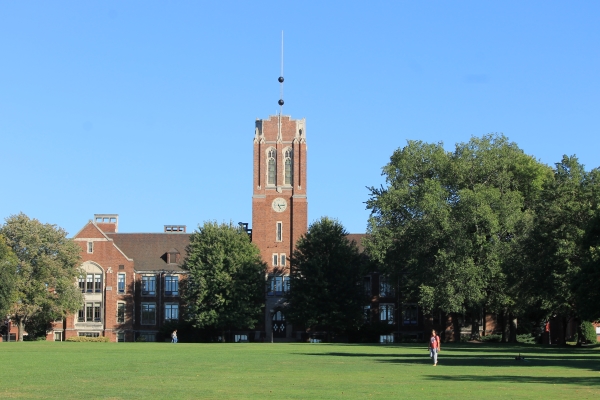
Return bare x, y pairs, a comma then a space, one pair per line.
434, 347
174, 336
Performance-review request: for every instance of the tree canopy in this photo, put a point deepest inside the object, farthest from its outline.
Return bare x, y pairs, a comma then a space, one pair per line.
48, 265
447, 223
8, 273
225, 288
326, 273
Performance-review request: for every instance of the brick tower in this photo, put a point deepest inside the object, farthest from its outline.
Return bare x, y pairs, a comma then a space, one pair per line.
279, 203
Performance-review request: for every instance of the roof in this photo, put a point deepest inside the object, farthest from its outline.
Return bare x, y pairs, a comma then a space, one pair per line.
358, 238
148, 250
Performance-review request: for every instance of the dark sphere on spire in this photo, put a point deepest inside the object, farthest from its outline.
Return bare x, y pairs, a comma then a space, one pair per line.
280, 79
280, 102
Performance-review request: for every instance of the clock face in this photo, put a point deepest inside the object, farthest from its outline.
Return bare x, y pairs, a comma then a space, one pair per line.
279, 204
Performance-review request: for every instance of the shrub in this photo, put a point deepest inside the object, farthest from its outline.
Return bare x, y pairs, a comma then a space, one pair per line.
588, 332
526, 338
491, 338
100, 339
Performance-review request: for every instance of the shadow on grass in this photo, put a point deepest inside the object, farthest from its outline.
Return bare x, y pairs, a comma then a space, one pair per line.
582, 381
454, 356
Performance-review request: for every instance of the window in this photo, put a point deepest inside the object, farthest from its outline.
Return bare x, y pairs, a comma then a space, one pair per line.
147, 337
279, 236
275, 258
287, 156
92, 312
90, 283
149, 285
58, 336
89, 334
171, 312
386, 313
121, 283
278, 285
97, 283
90, 247
386, 338
271, 167
120, 313
367, 313
409, 314
367, 285
386, 289
171, 285
283, 260
241, 338
120, 336
148, 314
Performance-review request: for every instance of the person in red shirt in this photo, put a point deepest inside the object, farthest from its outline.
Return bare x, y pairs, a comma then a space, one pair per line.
434, 347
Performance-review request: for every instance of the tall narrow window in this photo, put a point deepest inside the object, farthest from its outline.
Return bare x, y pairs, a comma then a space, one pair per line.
97, 283
82, 283
121, 313
287, 156
279, 236
121, 283
90, 247
283, 260
271, 167
90, 283
275, 258
386, 313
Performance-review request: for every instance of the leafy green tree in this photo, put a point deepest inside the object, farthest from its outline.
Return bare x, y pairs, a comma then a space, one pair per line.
8, 273
557, 249
225, 288
587, 295
48, 267
326, 272
448, 222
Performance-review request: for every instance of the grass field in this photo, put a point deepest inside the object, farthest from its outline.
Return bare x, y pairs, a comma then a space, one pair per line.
294, 371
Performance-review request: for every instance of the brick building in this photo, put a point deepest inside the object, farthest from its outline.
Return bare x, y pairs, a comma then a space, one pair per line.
130, 282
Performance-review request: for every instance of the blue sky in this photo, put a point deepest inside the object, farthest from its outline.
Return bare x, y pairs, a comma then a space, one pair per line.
147, 108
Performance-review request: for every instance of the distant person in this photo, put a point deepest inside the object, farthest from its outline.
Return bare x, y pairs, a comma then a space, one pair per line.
434, 347
174, 336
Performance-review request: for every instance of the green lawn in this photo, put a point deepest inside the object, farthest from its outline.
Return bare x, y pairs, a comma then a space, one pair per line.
295, 370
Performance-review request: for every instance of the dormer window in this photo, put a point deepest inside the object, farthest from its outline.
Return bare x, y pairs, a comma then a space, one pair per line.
173, 256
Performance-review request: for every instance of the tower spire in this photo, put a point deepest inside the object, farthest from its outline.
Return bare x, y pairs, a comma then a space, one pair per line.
280, 102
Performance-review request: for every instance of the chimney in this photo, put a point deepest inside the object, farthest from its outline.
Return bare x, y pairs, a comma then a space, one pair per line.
175, 229
108, 223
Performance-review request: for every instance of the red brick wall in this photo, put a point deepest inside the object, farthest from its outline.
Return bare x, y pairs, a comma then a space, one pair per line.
295, 217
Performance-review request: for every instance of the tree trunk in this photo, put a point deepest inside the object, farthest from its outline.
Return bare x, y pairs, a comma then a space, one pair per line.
562, 340
475, 317
21, 328
455, 328
579, 332
223, 336
512, 328
504, 324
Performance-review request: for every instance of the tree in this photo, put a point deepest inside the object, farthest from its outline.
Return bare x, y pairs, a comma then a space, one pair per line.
8, 272
563, 242
448, 222
48, 267
326, 273
225, 288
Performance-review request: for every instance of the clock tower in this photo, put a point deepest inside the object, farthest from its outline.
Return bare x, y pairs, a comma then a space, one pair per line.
279, 203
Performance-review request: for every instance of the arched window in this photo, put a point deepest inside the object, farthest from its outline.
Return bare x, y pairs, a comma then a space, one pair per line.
287, 156
271, 166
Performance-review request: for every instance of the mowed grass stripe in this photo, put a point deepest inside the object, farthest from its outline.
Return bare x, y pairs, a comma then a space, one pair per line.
293, 371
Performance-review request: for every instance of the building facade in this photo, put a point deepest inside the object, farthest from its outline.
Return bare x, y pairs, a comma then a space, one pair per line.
130, 282
279, 207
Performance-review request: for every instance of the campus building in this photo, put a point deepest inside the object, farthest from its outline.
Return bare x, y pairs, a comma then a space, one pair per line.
131, 281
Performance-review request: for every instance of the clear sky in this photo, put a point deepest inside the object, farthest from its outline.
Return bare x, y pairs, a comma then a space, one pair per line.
147, 108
